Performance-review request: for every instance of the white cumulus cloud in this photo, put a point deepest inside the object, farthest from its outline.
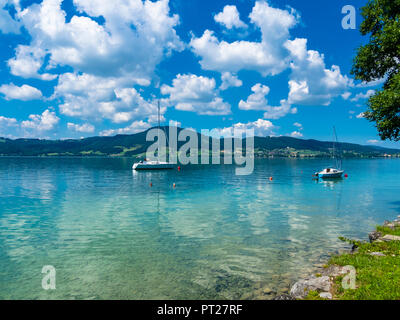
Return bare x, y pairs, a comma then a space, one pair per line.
230, 80
298, 125
86, 127
41, 122
135, 127
258, 101
230, 18
268, 56
132, 41
311, 83
197, 94
7, 122
261, 128
361, 96
7, 23
24, 92
296, 134
87, 96
108, 47
27, 62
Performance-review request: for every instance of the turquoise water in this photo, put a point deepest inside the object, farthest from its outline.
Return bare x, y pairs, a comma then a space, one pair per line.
215, 236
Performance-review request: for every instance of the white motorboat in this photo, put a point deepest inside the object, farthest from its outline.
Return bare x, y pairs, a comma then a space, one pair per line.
334, 172
152, 165
155, 164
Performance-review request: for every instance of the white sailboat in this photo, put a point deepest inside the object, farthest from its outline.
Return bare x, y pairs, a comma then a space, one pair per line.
153, 165
335, 171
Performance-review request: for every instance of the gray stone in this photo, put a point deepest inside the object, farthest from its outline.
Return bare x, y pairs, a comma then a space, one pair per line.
390, 237
377, 254
301, 288
392, 224
333, 271
373, 236
326, 295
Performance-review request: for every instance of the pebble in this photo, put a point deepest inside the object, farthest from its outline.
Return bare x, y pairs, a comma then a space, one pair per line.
326, 295
377, 254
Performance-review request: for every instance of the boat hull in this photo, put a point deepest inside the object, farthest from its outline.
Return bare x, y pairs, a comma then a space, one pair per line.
335, 175
156, 166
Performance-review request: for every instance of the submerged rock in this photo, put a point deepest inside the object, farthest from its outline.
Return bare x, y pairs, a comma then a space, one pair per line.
301, 288
284, 297
267, 290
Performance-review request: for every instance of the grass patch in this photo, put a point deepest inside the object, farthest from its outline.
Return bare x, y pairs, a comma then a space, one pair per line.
378, 278
91, 152
124, 151
313, 295
386, 230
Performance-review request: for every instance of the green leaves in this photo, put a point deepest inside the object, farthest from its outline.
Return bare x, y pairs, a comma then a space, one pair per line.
384, 109
381, 58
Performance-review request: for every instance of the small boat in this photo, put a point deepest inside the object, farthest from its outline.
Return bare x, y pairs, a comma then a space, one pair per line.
155, 164
334, 172
152, 165
330, 173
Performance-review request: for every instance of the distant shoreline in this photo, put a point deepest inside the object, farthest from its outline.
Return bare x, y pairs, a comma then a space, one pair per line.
222, 157
136, 145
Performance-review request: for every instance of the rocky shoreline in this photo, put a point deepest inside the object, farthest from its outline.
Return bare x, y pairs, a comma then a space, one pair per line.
322, 283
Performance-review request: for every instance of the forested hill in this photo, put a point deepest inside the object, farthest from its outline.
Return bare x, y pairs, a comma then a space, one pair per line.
135, 145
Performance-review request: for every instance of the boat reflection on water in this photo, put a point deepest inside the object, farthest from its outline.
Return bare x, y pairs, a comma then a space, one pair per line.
329, 182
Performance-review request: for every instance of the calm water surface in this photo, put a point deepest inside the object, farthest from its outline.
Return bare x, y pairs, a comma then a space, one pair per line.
215, 236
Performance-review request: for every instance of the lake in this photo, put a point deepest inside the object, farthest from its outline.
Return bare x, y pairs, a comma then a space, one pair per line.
109, 235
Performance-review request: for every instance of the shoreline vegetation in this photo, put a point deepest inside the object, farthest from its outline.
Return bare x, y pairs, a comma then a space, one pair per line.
142, 156
374, 264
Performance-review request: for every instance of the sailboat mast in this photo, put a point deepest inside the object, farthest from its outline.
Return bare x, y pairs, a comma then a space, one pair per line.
338, 162
159, 128
334, 143
158, 114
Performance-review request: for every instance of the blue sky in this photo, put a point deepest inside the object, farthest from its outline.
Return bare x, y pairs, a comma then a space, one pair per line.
78, 68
